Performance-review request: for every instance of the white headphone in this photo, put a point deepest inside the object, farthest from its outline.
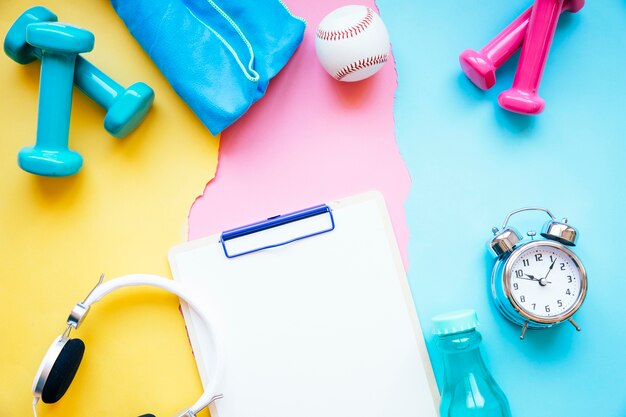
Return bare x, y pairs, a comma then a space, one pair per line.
61, 362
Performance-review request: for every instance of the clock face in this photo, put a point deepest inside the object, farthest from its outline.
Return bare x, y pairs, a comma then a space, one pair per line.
546, 281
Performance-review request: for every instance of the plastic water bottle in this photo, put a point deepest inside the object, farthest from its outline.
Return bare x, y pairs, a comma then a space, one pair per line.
469, 390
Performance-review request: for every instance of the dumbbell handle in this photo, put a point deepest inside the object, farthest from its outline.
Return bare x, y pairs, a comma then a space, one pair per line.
542, 26
55, 100
94, 83
500, 49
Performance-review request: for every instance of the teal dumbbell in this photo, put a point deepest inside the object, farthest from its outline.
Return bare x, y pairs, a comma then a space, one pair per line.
126, 107
59, 44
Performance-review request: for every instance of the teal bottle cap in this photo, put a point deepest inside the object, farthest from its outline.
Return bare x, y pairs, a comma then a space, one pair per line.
455, 322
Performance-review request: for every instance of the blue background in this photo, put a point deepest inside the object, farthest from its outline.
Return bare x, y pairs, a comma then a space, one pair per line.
471, 163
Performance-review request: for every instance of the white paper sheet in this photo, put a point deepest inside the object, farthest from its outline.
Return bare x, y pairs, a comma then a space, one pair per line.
324, 326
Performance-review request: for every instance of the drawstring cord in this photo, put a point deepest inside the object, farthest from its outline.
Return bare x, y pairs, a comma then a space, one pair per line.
248, 72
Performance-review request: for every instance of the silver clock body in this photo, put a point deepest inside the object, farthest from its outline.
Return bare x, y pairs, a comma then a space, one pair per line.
503, 287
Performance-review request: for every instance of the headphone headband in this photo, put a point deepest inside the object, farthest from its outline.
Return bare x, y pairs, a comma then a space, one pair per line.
79, 312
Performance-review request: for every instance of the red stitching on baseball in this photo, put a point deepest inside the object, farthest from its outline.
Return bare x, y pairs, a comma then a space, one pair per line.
335, 35
361, 64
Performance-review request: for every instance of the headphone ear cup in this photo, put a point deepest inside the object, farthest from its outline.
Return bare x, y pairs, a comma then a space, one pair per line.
63, 371
147, 415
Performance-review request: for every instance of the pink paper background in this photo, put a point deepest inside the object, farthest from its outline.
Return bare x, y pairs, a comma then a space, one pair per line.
309, 140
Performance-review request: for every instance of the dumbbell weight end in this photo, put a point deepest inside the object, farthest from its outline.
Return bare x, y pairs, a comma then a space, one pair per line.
15, 45
126, 107
49, 162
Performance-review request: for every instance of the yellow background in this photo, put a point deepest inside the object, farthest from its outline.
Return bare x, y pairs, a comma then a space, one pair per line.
120, 214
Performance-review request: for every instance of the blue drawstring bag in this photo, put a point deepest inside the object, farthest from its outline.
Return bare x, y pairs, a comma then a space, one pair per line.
219, 59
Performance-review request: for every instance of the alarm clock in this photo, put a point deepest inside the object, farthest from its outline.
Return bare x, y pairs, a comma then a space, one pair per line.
537, 282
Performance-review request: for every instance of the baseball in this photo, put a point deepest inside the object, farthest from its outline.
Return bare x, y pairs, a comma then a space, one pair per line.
352, 43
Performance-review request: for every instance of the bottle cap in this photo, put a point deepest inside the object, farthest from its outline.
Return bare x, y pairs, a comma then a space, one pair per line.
455, 322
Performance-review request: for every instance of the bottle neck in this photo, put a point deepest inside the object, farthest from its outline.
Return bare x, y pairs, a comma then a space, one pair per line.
461, 354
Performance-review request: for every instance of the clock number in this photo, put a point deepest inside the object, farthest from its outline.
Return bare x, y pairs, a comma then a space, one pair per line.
519, 273
562, 266
559, 303
522, 298
534, 305
547, 309
538, 257
568, 292
551, 259
526, 262
515, 286
569, 279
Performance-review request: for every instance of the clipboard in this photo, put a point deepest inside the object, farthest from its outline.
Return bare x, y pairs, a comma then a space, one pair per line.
315, 315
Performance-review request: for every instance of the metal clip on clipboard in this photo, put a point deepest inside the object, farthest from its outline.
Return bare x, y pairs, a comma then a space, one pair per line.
277, 231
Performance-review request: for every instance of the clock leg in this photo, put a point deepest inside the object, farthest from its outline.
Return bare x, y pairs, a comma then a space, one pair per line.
571, 320
524, 331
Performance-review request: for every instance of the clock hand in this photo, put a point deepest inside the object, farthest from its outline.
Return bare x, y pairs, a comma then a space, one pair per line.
541, 281
550, 269
530, 278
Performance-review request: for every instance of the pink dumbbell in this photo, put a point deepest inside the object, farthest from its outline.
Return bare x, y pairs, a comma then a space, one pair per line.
480, 66
522, 97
